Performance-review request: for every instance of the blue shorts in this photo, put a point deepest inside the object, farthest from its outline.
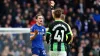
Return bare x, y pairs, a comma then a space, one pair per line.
38, 51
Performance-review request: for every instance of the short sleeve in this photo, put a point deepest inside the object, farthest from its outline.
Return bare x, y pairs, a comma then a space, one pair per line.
44, 32
32, 29
70, 31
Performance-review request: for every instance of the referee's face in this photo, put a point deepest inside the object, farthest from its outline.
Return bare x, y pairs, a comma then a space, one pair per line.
40, 19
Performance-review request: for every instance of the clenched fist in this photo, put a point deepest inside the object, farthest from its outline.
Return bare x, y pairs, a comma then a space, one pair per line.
36, 32
33, 34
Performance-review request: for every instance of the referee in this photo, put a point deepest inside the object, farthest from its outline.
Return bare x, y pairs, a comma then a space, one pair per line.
59, 34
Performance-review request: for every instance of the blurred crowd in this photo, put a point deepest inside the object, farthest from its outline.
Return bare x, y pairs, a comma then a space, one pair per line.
15, 44
82, 15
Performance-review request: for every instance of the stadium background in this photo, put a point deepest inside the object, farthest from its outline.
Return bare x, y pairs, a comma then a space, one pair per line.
82, 15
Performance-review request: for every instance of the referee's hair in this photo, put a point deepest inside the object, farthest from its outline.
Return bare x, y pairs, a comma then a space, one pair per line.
58, 13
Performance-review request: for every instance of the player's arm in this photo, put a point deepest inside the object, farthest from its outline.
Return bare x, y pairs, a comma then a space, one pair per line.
48, 34
44, 38
44, 35
69, 35
52, 3
33, 35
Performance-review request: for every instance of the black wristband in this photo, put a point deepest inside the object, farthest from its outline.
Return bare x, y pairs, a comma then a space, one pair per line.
52, 8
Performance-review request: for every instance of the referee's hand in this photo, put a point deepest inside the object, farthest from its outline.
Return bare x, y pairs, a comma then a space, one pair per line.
52, 3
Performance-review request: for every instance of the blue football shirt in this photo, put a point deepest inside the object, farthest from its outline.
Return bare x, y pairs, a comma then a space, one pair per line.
38, 41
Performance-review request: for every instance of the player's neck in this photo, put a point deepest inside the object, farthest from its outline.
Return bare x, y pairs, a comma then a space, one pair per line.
58, 19
38, 24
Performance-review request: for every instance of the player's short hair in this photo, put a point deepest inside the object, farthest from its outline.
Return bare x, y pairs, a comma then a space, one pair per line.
57, 13
38, 15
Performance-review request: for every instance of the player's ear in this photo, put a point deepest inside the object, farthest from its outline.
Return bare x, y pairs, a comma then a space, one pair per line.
36, 19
